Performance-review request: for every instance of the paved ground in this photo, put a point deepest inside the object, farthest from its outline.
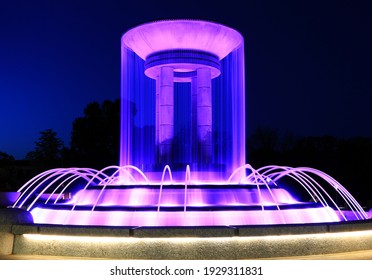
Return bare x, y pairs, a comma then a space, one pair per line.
357, 255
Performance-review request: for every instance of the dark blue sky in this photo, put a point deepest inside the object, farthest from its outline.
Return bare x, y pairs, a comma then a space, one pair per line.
308, 63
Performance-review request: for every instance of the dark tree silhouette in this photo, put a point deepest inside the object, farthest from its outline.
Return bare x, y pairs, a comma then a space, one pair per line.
95, 137
48, 149
5, 158
6, 171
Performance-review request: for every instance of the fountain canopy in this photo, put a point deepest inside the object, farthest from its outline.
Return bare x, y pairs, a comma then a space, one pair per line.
166, 35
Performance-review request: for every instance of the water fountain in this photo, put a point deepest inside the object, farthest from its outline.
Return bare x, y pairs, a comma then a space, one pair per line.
182, 159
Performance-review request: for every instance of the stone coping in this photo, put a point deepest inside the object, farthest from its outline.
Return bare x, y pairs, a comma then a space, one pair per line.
13, 216
202, 232
172, 242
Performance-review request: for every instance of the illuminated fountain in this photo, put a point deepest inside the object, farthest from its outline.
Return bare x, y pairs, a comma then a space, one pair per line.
182, 159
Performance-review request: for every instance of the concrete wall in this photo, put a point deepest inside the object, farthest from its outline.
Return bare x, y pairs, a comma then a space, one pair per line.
6, 240
193, 243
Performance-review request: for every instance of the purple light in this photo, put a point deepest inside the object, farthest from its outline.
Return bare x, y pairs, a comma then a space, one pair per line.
182, 158
183, 99
201, 218
182, 34
259, 199
175, 197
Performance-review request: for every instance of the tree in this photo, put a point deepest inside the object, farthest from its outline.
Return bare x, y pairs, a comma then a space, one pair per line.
6, 158
95, 137
48, 149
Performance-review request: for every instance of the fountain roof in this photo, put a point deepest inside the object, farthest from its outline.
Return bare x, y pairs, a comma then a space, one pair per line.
164, 35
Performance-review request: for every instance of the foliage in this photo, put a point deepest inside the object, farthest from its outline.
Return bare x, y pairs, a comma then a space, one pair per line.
95, 137
5, 158
48, 149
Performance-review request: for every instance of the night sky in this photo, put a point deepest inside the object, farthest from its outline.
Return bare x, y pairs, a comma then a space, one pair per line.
308, 63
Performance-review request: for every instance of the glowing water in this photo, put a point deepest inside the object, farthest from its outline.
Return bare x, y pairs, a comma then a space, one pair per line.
98, 199
183, 99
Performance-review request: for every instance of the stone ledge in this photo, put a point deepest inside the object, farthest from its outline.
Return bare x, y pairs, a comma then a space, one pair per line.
265, 230
85, 231
247, 242
6, 240
253, 247
351, 226
170, 232
25, 229
14, 216
71, 230
6, 228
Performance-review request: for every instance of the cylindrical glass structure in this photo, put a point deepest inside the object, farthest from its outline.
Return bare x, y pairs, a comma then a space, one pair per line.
182, 100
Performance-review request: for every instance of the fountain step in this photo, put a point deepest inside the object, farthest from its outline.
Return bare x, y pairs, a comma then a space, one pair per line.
178, 208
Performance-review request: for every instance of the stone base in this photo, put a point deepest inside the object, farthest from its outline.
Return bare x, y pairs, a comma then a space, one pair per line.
6, 240
251, 242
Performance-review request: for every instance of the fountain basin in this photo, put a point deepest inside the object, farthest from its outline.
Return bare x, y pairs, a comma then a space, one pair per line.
177, 205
